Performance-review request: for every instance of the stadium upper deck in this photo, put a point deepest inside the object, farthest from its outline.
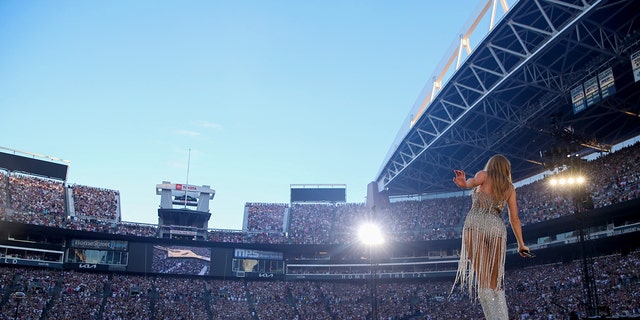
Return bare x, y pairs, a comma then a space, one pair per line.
517, 94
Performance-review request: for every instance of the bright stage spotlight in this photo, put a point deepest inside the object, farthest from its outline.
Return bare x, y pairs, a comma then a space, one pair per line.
567, 181
370, 234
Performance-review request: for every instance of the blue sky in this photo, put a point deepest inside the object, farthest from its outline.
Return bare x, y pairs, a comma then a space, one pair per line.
265, 93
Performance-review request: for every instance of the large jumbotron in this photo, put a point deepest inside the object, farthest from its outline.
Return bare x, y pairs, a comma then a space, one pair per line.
553, 85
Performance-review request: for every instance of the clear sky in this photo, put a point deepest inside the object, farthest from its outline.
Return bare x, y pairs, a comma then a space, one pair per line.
265, 93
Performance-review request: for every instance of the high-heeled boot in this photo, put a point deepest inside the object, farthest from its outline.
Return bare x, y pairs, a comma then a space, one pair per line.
494, 304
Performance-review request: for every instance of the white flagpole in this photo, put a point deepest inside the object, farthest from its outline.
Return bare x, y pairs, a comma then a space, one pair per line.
187, 183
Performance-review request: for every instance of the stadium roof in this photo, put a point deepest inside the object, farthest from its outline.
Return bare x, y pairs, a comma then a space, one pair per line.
513, 95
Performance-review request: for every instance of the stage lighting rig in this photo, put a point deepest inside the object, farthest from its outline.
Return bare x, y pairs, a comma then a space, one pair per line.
568, 135
569, 147
574, 185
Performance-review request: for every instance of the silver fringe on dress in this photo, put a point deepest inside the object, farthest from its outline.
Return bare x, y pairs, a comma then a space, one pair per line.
484, 245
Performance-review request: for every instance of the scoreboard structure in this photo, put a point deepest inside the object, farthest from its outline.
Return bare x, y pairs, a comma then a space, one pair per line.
184, 210
318, 193
34, 164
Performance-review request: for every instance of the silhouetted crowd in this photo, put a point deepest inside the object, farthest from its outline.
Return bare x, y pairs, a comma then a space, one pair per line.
539, 292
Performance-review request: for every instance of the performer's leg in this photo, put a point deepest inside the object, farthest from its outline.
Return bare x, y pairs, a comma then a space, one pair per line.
491, 297
502, 311
478, 255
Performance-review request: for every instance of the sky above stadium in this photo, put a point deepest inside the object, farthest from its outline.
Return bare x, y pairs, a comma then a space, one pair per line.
264, 94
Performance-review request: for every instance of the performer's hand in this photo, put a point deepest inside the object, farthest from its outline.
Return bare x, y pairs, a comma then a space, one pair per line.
523, 248
460, 180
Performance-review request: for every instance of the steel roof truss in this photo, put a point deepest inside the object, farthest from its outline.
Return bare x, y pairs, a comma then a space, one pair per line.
475, 74
468, 137
546, 17
479, 91
536, 73
422, 131
604, 41
449, 103
568, 5
509, 51
497, 60
462, 97
515, 33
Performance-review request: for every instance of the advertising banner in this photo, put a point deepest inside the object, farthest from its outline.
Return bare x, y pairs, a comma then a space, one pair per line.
577, 99
635, 65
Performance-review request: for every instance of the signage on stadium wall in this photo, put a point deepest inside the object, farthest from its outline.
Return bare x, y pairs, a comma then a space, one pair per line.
95, 266
31, 263
257, 254
362, 276
259, 275
119, 245
185, 188
183, 232
635, 65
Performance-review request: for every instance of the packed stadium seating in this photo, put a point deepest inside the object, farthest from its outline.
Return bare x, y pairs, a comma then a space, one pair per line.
612, 179
541, 292
550, 291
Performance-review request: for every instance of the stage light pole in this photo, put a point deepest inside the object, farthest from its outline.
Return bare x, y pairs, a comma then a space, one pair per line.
581, 202
371, 236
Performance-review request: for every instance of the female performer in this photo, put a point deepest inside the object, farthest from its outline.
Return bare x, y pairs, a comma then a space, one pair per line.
484, 235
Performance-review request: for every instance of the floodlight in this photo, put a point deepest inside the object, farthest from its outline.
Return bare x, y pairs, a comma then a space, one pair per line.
370, 234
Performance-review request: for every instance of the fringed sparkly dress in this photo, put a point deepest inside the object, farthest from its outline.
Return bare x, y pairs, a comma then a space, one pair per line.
484, 241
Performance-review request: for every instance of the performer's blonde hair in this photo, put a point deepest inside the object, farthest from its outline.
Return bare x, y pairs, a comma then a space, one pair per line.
498, 168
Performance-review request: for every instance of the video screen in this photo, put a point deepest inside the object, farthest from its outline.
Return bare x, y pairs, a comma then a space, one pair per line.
181, 260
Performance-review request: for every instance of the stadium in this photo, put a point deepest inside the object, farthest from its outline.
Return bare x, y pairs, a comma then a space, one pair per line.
554, 86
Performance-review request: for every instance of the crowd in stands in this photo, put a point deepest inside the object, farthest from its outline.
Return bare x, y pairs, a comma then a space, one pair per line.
227, 236
36, 195
180, 298
612, 179
129, 297
265, 216
228, 300
4, 194
349, 218
95, 202
80, 296
539, 292
311, 223
615, 178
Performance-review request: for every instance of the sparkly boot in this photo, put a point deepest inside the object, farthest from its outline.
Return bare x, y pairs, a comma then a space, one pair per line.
494, 304
502, 312
486, 300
